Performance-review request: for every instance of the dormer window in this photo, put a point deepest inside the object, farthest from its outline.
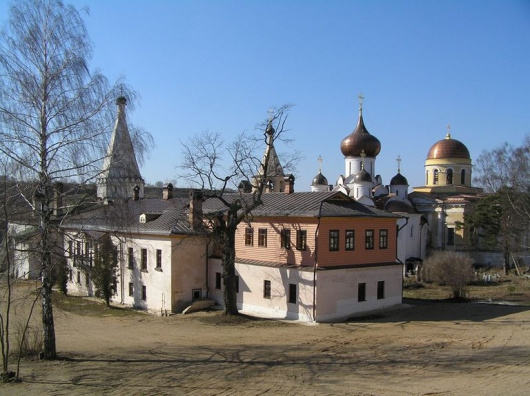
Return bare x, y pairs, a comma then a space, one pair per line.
146, 217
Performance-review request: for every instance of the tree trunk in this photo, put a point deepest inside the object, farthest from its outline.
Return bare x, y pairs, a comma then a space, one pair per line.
50, 352
48, 327
229, 272
506, 263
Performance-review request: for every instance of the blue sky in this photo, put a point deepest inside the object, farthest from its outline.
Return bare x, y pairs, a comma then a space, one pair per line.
219, 66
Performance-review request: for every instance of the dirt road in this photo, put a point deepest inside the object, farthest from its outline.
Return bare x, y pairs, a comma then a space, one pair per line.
435, 348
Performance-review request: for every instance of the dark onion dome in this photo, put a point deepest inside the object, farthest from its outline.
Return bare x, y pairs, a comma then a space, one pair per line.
319, 180
270, 130
448, 148
360, 139
399, 180
398, 205
363, 176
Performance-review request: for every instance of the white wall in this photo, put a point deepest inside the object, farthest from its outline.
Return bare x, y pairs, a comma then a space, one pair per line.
336, 295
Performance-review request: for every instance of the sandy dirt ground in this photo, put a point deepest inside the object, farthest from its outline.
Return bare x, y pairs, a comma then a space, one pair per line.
417, 349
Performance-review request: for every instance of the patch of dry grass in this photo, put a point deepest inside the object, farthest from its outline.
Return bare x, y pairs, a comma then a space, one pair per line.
512, 288
218, 318
90, 307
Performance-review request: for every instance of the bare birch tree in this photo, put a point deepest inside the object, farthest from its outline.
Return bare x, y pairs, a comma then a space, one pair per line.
504, 215
218, 169
55, 117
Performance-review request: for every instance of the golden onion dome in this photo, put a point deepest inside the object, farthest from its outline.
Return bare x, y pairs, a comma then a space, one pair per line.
448, 148
360, 139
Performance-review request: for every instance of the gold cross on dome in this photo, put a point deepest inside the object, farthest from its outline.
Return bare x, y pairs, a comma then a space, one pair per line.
320, 160
398, 159
361, 98
448, 136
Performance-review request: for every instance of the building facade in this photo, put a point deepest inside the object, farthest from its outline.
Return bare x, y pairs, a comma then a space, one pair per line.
314, 256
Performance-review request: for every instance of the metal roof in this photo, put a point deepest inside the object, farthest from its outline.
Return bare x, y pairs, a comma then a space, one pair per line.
302, 204
172, 217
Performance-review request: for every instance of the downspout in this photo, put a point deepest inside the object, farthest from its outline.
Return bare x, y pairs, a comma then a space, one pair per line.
315, 266
404, 271
397, 235
207, 277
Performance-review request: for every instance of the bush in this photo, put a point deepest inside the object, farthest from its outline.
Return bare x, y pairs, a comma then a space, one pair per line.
29, 345
451, 269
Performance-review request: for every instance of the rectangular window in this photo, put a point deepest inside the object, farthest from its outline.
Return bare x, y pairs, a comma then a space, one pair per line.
292, 293
361, 292
87, 280
411, 231
87, 249
267, 289
70, 275
383, 239
334, 240
286, 239
78, 276
144, 293
237, 283
130, 262
78, 252
369, 239
144, 260
380, 290
262, 237
131, 289
450, 236
218, 280
196, 294
70, 248
301, 239
350, 240
249, 236
158, 259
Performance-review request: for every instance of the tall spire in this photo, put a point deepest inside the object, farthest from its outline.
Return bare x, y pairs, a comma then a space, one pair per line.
274, 176
120, 172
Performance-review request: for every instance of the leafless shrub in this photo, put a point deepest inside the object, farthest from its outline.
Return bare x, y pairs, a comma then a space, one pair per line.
28, 343
453, 269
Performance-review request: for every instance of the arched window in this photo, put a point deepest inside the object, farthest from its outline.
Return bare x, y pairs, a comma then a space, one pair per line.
426, 177
435, 177
463, 177
449, 176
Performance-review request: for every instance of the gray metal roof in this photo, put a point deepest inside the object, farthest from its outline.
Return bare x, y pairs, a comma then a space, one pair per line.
303, 204
167, 217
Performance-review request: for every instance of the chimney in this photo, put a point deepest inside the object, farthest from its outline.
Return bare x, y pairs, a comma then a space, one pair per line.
195, 212
58, 199
136, 193
289, 184
167, 191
